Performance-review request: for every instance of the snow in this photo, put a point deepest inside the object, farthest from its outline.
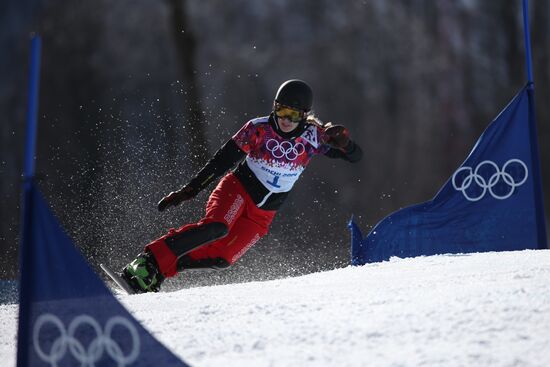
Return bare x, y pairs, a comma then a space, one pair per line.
490, 309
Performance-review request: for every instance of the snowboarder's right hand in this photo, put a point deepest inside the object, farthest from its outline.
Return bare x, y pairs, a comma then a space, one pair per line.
176, 197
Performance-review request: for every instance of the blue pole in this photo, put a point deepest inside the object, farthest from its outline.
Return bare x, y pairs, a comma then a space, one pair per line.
528, 60
32, 108
537, 177
25, 255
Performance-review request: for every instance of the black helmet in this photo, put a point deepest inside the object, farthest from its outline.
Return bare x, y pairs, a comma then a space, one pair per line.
295, 93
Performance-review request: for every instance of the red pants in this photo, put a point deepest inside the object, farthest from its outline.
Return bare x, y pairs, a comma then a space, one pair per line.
230, 204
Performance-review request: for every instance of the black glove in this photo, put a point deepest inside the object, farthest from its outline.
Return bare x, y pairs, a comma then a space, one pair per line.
176, 197
338, 136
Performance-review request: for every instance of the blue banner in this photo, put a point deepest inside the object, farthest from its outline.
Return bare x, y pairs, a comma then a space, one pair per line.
492, 202
67, 316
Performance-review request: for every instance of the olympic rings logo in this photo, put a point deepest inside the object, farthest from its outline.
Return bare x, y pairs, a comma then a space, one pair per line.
474, 178
285, 149
87, 356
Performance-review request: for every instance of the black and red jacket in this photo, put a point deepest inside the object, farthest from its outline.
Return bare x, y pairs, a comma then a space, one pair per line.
268, 161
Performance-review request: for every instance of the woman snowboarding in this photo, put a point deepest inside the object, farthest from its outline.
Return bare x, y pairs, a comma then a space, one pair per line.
268, 155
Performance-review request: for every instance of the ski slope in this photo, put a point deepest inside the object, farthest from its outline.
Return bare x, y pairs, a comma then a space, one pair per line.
490, 309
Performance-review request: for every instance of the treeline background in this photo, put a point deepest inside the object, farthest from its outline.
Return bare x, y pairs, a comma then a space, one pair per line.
137, 95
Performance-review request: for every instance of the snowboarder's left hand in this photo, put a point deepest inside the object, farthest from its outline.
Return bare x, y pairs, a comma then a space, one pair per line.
338, 136
176, 197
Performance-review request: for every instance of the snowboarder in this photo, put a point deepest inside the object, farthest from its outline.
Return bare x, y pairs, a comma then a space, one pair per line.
269, 153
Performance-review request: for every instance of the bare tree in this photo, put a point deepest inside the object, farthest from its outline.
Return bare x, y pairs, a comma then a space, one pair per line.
186, 45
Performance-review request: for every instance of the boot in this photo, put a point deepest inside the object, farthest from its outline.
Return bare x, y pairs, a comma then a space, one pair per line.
143, 274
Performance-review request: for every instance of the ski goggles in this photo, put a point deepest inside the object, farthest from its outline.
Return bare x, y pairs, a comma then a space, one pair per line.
289, 113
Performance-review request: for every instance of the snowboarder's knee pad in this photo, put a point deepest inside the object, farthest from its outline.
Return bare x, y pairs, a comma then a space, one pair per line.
221, 264
183, 242
216, 229
217, 263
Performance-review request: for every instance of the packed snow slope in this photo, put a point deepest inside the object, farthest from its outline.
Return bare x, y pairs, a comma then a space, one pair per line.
490, 309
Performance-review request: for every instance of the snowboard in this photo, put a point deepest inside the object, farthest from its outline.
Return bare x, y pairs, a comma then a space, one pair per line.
117, 279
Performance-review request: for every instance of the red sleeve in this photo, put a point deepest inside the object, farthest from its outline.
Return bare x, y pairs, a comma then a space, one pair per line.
245, 138
323, 139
